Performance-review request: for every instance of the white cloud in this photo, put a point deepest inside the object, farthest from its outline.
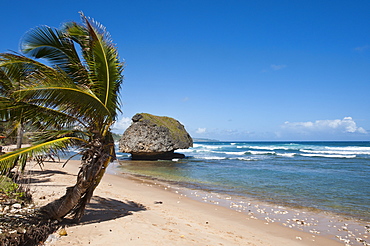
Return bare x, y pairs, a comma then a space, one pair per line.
122, 124
277, 67
201, 130
345, 125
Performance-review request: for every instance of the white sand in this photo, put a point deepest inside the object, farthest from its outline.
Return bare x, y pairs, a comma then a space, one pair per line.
169, 218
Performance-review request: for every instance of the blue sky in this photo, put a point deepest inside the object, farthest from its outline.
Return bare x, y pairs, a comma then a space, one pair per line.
231, 70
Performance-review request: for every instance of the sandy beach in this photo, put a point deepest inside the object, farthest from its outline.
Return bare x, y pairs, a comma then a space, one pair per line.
128, 211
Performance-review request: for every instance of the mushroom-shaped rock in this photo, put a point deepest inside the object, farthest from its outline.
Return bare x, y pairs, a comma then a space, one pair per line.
153, 137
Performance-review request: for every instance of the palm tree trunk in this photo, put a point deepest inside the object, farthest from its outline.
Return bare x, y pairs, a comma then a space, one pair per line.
19, 136
94, 162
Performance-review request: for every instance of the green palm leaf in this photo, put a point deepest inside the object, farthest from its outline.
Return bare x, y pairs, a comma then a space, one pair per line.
42, 118
22, 72
45, 136
7, 160
72, 101
53, 45
103, 61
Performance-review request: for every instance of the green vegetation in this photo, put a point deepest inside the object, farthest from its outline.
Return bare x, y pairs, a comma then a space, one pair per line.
11, 190
71, 100
7, 186
173, 125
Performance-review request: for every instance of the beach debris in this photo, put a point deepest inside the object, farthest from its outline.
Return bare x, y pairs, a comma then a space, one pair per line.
268, 219
51, 240
18, 223
158, 202
314, 223
346, 241
280, 212
358, 239
62, 232
314, 231
17, 206
367, 228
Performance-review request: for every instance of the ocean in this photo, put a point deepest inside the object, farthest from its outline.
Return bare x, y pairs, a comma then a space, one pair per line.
331, 177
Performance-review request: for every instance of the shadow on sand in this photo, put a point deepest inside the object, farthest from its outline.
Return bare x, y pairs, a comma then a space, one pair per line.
104, 209
98, 210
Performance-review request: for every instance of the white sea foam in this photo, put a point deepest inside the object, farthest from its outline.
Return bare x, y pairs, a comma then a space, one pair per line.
286, 154
212, 147
335, 152
234, 153
221, 150
351, 148
242, 146
269, 147
329, 156
213, 158
245, 159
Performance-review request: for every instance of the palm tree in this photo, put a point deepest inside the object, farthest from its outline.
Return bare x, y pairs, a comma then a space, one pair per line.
70, 100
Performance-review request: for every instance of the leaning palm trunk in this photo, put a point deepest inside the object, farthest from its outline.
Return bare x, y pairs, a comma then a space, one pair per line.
94, 163
71, 103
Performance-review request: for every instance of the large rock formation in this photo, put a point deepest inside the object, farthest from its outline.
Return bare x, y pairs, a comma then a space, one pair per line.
153, 137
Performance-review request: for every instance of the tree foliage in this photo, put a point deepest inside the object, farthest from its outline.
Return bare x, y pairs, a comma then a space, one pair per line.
69, 99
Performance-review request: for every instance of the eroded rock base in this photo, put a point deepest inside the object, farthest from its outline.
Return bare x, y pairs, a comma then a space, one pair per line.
156, 156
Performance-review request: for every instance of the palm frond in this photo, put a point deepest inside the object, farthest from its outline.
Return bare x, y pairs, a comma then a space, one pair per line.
45, 136
41, 118
51, 44
20, 72
5, 103
72, 102
7, 160
104, 68
75, 102
6, 84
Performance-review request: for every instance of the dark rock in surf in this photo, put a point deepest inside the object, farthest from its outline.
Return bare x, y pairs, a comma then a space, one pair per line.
153, 137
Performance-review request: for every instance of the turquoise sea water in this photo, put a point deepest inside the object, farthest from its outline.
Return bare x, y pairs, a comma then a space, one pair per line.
329, 176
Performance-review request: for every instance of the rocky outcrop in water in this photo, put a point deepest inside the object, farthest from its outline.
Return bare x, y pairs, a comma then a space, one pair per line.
153, 137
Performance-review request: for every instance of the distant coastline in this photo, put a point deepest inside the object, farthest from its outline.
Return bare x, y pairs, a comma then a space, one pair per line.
205, 140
